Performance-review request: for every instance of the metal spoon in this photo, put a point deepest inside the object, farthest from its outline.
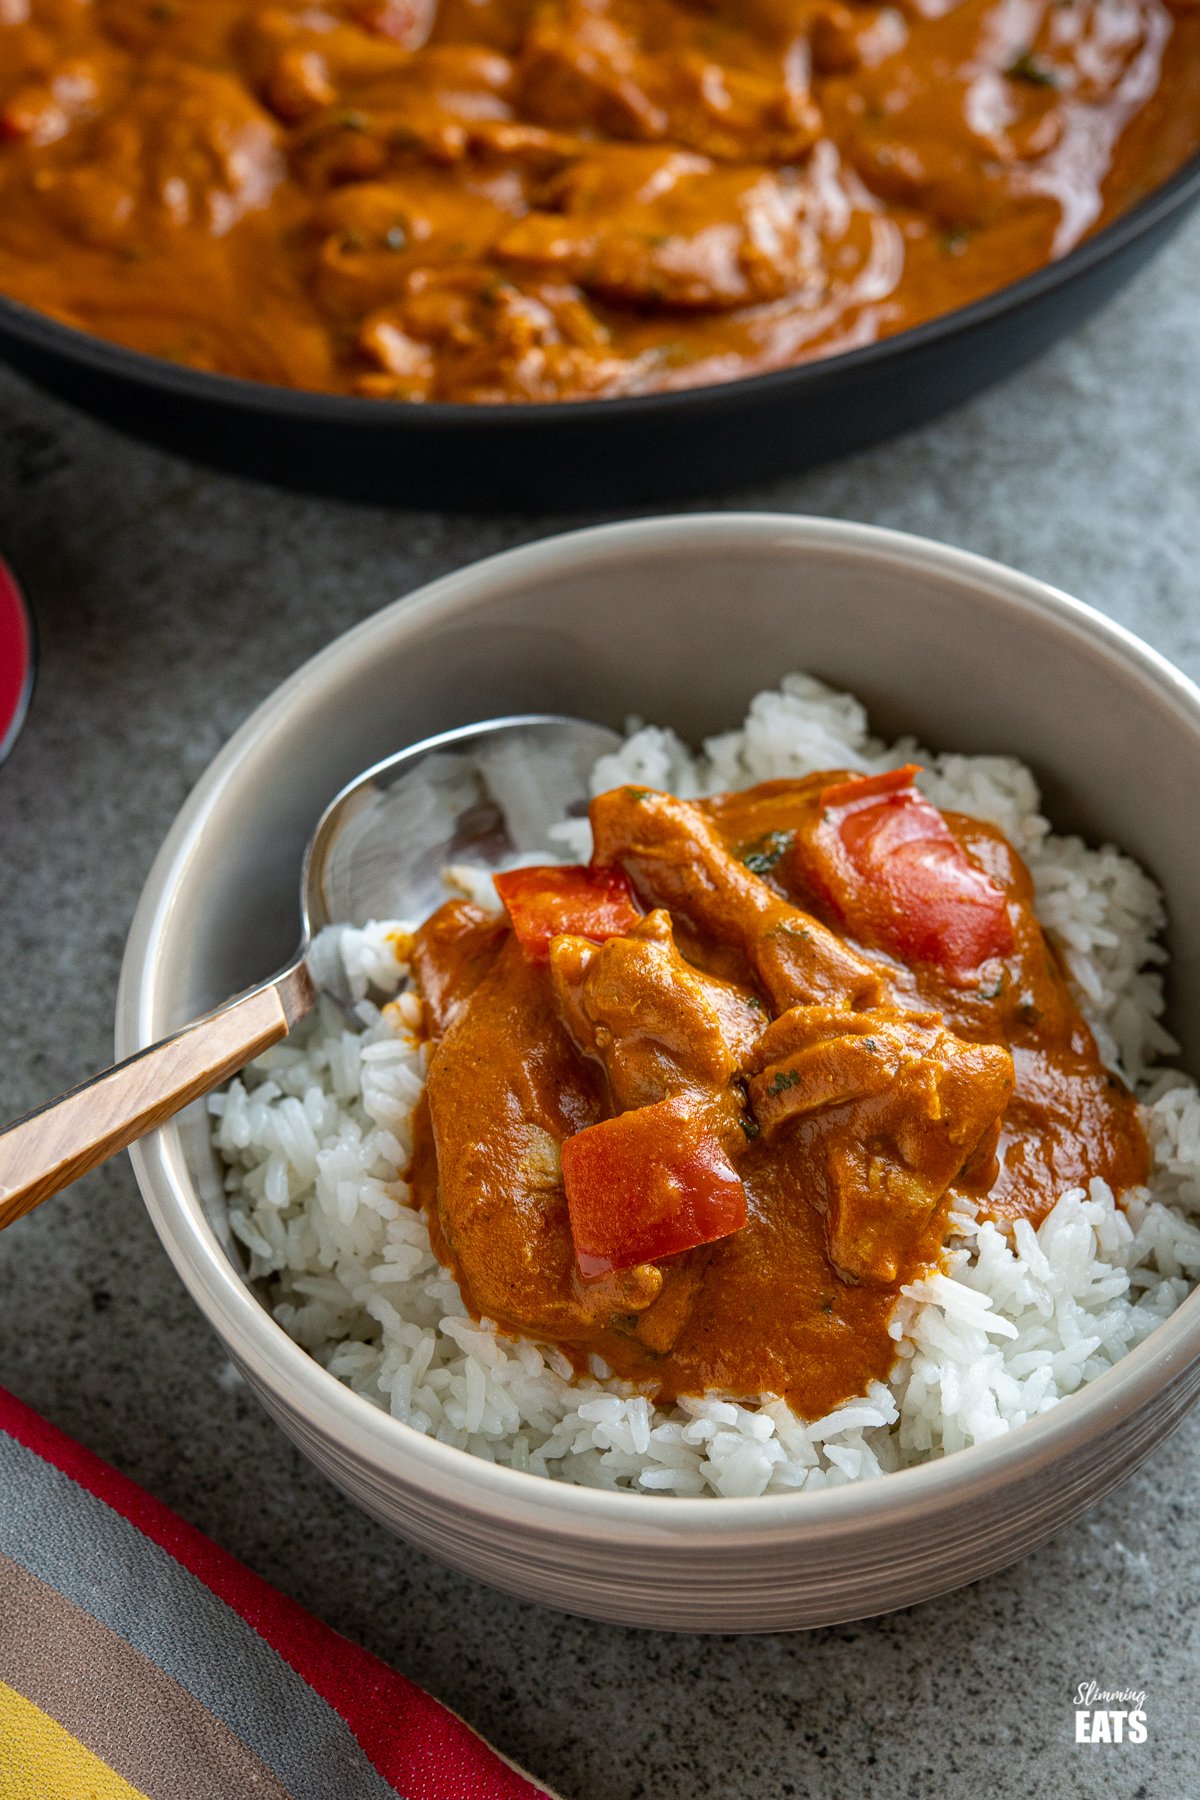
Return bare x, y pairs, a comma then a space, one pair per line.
481, 794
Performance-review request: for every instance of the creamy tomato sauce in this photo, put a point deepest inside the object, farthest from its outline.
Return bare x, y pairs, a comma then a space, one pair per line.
709, 1132
491, 200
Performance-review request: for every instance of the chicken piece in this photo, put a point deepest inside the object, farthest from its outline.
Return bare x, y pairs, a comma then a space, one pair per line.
675, 858
579, 67
885, 1109
200, 152
666, 227
424, 108
641, 69
659, 1027
374, 234
925, 140
498, 1123
490, 337
271, 40
845, 38
298, 87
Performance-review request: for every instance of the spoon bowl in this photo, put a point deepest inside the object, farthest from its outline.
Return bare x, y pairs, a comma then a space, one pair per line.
486, 794
481, 794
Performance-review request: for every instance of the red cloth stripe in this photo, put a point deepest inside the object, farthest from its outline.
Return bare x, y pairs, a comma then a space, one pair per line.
415, 1742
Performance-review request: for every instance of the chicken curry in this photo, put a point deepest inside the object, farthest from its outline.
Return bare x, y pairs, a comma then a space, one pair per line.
538, 200
703, 1107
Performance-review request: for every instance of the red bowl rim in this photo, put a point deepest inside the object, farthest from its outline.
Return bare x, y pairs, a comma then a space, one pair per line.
16, 659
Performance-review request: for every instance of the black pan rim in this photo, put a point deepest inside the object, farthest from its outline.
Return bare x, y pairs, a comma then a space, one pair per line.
309, 406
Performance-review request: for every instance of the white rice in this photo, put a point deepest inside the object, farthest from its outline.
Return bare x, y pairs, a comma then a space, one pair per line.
316, 1134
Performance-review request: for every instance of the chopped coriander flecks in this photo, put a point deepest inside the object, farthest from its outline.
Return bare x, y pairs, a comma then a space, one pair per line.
632, 793
768, 851
1030, 68
749, 1126
396, 237
993, 990
954, 243
784, 1078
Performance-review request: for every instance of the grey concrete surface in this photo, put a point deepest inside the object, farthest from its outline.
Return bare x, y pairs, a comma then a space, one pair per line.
170, 601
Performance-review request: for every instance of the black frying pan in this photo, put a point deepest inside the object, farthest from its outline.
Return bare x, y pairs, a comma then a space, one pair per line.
596, 452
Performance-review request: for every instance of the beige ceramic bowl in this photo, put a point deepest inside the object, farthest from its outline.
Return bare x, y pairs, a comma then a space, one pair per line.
681, 621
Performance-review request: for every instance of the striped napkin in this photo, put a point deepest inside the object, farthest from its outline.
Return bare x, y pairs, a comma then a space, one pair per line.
140, 1662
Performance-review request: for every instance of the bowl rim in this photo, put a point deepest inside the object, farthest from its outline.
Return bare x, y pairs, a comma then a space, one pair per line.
14, 601
388, 1445
109, 358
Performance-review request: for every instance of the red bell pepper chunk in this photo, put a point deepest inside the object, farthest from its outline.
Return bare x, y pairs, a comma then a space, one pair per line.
587, 902
891, 867
648, 1184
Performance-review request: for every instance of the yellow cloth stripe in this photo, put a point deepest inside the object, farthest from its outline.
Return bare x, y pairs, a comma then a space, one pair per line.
40, 1760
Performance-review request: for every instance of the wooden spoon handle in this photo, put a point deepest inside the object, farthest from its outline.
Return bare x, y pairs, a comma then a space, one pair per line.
59, 1142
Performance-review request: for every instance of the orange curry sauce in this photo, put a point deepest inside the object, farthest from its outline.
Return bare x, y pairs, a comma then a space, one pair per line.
858, 1096
490, 200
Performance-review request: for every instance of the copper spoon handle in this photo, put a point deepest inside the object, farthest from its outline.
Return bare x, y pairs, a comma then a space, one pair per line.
63, 1140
